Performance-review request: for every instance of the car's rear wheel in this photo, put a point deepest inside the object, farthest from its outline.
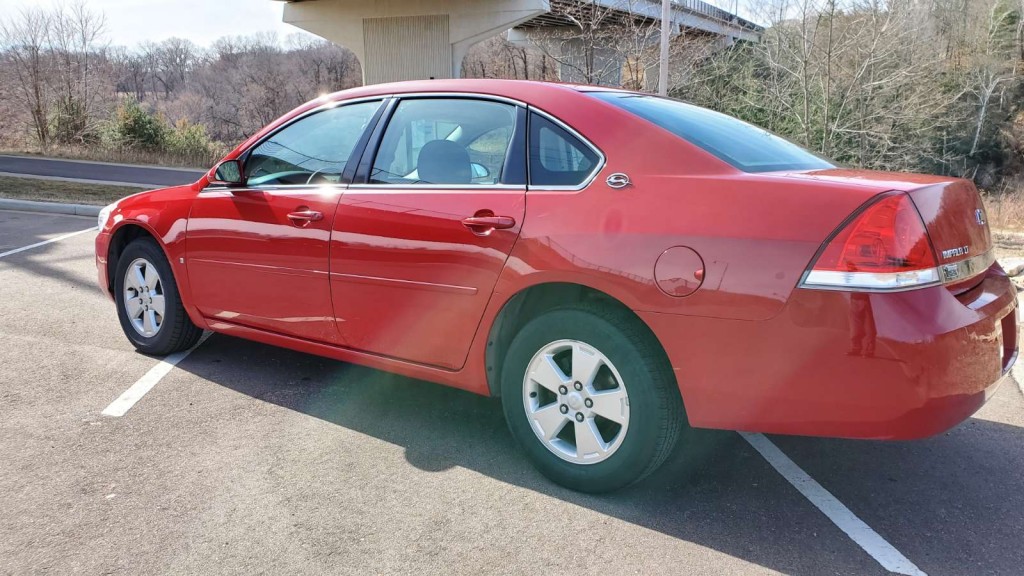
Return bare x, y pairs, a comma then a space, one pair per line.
148, 304
589, 395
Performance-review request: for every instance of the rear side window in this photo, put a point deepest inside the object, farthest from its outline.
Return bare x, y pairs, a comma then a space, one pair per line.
312, 150
557, 158
744, 146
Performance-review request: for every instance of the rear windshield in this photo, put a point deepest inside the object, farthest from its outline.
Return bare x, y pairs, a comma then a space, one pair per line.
743, 145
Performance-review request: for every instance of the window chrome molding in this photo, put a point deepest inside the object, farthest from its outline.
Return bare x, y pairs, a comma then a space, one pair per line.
460, 95
387, 187
332, 188
598, 166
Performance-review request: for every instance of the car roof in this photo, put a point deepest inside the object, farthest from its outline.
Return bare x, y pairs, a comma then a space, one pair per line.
514, 89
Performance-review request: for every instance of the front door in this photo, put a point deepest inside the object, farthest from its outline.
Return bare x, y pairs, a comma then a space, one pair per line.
418, 246
258, 256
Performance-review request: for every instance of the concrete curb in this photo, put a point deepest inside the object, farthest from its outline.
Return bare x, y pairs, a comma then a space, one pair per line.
50, 207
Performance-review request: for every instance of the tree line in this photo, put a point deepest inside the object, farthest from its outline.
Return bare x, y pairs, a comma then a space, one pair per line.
918, 85
911, 85
64, 88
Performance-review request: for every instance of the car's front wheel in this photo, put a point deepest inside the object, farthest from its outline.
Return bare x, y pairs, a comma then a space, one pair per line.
148, 304
589, 395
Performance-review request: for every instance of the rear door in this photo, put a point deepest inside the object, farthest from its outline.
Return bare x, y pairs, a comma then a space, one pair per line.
258, 256
420, 239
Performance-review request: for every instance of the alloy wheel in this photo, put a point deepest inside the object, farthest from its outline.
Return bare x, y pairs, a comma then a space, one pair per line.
576, 402
144, 297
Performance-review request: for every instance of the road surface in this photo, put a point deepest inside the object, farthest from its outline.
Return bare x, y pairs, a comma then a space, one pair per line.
99, 172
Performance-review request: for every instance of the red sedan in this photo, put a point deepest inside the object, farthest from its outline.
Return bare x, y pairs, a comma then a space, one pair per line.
617, 267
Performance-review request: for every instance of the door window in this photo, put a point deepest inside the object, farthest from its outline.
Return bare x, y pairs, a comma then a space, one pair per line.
557, 158
312, 150
453, 141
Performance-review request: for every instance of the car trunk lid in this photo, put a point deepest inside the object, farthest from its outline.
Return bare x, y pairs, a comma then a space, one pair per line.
952, 211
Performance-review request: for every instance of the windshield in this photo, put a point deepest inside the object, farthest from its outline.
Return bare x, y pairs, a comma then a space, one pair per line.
742, 145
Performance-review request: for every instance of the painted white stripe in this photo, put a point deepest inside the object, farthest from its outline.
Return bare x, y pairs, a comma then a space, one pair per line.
125, 401
44, 242
884, 553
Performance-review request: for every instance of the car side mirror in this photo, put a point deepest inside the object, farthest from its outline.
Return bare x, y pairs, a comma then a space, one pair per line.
228, 173
479, 170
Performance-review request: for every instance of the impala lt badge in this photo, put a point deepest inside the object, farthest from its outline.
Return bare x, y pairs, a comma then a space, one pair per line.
954, 252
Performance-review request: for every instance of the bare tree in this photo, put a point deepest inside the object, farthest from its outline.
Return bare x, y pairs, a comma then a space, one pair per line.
79, 79
24, 40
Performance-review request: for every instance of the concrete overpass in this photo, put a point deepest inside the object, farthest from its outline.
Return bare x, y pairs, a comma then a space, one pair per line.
419, 39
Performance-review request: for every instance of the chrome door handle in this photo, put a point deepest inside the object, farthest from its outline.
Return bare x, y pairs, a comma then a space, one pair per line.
305, 215
484, 225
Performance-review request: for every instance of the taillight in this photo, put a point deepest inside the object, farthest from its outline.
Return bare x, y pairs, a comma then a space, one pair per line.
884, 247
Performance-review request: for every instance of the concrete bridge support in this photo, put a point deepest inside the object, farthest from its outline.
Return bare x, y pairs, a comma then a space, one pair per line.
410, 39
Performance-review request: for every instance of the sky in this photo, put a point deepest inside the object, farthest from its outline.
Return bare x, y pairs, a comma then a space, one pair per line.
130, 22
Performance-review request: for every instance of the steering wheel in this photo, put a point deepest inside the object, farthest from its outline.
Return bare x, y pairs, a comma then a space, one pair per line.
313, 175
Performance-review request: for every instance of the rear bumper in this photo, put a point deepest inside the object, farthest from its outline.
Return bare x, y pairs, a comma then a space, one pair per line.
888, 366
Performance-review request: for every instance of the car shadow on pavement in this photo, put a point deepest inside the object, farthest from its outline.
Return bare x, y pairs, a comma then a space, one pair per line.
20, 229
715, 490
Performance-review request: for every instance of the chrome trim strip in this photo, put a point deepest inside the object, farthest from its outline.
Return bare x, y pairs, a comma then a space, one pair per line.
313, 188
969, 268
471, 95
870, 281
898, 281
401, 188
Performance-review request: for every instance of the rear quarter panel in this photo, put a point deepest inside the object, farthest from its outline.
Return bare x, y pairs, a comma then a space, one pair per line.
756, 233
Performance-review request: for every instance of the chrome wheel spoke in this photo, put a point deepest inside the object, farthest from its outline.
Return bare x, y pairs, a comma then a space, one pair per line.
588, 440
611, 404
157, 304
134, 307
149, 323
138, 279
585, 363
548, 421
548, 374
133, 279
151, 277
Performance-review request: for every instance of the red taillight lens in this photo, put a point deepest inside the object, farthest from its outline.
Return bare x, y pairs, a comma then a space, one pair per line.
885, 247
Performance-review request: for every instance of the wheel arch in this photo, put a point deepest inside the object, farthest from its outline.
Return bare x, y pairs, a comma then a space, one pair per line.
530, 302
127, 232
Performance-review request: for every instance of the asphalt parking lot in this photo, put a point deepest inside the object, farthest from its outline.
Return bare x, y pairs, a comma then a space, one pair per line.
250, 459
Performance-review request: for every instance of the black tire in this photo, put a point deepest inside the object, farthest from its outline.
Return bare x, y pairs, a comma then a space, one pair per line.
656, 415
177, 332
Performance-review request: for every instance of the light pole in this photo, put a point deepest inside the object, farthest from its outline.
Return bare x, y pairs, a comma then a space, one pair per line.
666, 16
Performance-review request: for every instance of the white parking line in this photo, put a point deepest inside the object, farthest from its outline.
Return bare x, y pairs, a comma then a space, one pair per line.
125, 401
884, 553
44, 242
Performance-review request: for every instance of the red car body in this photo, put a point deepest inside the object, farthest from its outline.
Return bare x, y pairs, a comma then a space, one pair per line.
709, 257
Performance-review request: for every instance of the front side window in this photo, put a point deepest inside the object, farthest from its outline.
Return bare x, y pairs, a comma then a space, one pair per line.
313, 150
744, 146
452, 141
557, 158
